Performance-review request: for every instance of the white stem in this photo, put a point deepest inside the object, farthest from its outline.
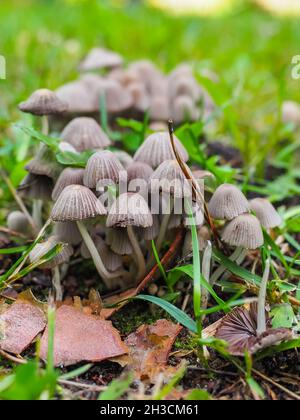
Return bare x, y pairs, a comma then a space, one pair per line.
218, 273
206, 266
45, 125
37, 213
164, 226
56, 282
261, 308
140, 260
104, 274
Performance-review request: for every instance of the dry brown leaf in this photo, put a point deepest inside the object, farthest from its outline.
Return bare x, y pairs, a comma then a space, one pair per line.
82, 337
19, 326
149, 348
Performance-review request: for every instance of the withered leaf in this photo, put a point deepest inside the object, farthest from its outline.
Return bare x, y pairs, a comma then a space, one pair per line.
82, 337
19, 326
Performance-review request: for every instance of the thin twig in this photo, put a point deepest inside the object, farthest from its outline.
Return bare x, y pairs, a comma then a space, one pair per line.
287, 391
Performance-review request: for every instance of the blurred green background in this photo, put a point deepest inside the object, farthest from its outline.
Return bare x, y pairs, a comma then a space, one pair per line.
249, 48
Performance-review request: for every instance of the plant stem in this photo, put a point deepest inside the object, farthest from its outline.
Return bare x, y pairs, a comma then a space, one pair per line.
261, 308
206, 265
104, 274
140, 260
56, 282
238, 252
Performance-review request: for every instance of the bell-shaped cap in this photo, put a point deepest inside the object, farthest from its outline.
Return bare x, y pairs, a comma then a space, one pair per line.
42, 248
124, 157
139, 170
118, 240
18, 222
100, 58
36, 187
79, 97
85, 133
67, 147
69, 176
157, 148
44, 163
76, 203
67, 232
129, 209
146, 71
103, 165
169, 178
141, 100
184, 109
244, 231
265, 212
151, 232
227, 203
44, 102
159, 108
117, 98
185, 86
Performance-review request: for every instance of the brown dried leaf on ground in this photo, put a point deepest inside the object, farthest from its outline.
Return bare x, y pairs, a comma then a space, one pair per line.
82, 337
149, 348
19, 326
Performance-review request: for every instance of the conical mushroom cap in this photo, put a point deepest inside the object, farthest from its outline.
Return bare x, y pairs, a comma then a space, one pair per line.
44, 164
67, 232
146, 71
102, 165
43, 102
117, 97
69, 176
99, 58
18, 222
159, 108
37, 187
141, 100
169, 178
129, 210
75, 203
85, 134
79, 98
265, 212
184, 109
245, 231
125, 159
41, 249
157, 148
139, 170
67, 147
119, 241
227, 203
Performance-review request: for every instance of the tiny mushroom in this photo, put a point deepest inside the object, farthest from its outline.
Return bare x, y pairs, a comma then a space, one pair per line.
18, 222
100, 58
265, 212
227, 203
69, 176
244, 231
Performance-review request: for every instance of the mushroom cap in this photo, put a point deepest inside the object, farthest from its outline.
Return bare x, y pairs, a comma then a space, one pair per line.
146, 71
42, 248
129, 209
184, 109
37, 187
67, 232
44, 163
159, 108
123, 157
185, 86
69, 176
43, 102
227, 203
291, 112
169, 178
117, 97
103, 165
245, 231
112, 260
119, 241
140, 97
265, 212
67, 147
17, 221
79, 97
157, 148
151, 232
75, 203
238, 329
158, 126
85, 133
199, 174
139, 170
99, 58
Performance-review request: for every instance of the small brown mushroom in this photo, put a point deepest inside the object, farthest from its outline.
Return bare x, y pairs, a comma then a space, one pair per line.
69, 176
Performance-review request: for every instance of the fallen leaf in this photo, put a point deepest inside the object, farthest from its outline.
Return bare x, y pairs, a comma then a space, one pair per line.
82, 337
19, 326
149, 349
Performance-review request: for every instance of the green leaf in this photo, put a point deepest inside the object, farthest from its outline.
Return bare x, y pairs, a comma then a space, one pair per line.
15, 250
158, 262
255, 388
271, 351
116, 389
76, 372
282, 316
74, 159
198, 395
180, 316
51, 142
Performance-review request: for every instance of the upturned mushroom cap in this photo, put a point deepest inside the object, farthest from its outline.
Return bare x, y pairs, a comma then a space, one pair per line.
117, 97
265, 212
67, 232
125, 159
103, 165
159, 108
76, 203
36, 187
119, 241
129, 209
79, 97
139, 170
99, 58
227, 203
43, 102
69, 176
238, 329
157, 148
41, 249
169, 178
44, 164
112, 260
18, 222
245, 231
85, 133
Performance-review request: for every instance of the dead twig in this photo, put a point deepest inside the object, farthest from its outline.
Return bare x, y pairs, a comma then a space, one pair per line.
281, 387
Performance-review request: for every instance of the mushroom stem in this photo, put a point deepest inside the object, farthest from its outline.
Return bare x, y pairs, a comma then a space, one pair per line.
140, 260
56, 282
261, 308
164, 226
104, 274
45, 125
37, 213
238, 254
